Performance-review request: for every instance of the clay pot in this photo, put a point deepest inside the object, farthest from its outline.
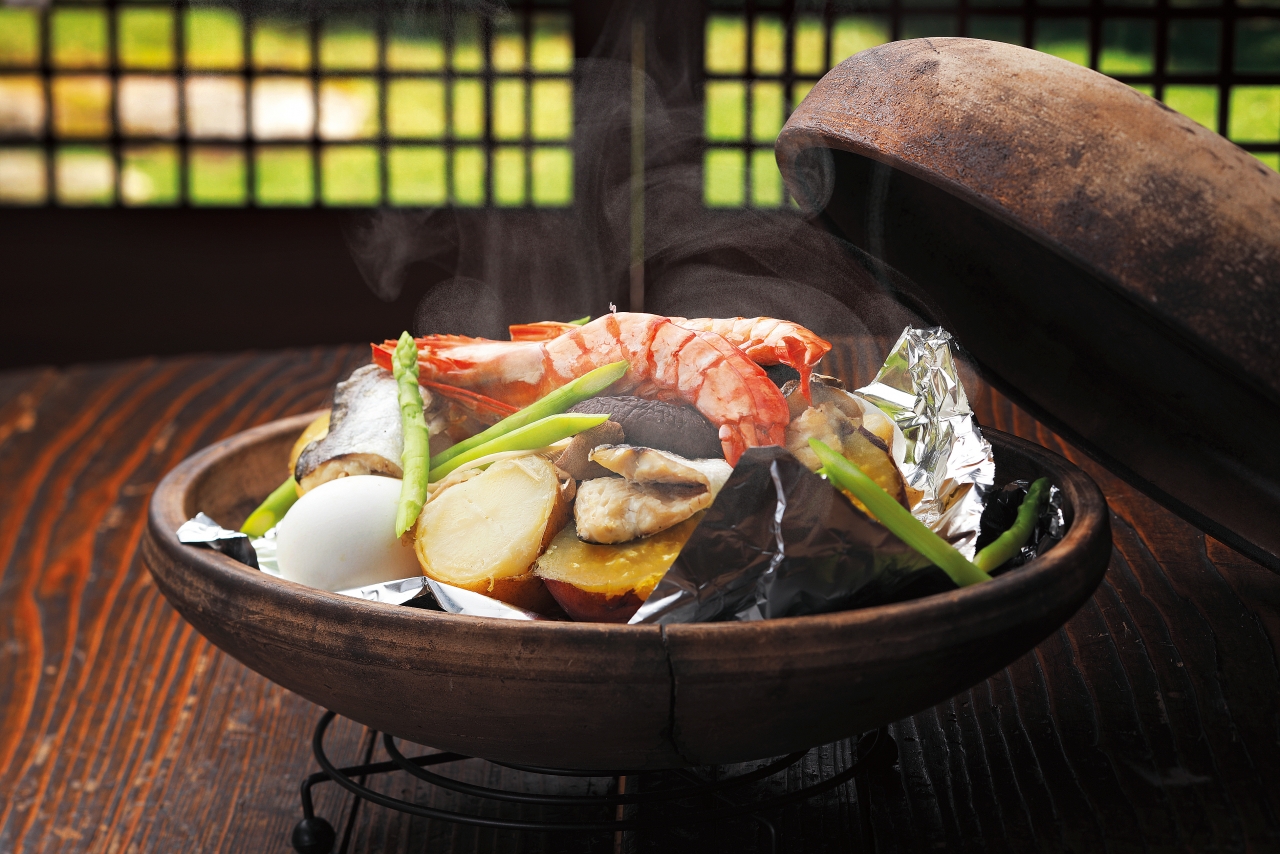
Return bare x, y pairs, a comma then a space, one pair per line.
598, 696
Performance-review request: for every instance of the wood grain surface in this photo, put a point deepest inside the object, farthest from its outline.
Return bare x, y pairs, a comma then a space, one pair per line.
1150, 722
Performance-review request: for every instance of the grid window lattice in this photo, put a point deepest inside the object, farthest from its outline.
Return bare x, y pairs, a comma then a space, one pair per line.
133, 103
1216, 61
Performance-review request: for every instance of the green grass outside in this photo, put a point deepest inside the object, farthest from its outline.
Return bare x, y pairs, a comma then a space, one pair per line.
552, 177
145, 38
349, 175
508, 176
349, 45
508, 109
283, 176
281, 45
217, 176
552, 114
468, 176
1255, 114
417, 175
19, 37
150, 175
723, 178
85, 175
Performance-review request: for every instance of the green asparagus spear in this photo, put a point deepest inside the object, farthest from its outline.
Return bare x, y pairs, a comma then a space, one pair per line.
581, 321
272, 510
588, 385
846, 475
415, 459
539, 434
1007, 544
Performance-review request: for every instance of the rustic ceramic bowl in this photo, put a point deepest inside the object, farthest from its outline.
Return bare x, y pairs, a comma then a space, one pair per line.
596, 696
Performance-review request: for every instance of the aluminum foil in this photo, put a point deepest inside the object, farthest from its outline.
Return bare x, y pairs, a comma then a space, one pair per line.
779, 541
202, 531
946, 459
1001, 511
425, 592
260, 553
265, 548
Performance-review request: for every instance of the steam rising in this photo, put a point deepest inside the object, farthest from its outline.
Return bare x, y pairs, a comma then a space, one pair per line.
521, 265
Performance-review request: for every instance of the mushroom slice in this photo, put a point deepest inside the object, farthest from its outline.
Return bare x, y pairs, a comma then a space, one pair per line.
576, 457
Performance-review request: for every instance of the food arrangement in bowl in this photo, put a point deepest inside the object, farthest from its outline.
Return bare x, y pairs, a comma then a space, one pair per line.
572, 471
577, 468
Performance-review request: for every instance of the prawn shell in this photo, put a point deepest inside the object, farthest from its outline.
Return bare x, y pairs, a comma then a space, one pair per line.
666, 362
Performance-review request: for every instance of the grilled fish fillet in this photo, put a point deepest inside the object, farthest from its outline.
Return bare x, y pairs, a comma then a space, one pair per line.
365, 436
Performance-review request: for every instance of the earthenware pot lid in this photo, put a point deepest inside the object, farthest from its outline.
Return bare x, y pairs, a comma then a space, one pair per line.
1112, 265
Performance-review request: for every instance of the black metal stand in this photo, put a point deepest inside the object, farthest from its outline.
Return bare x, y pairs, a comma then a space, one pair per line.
665, 807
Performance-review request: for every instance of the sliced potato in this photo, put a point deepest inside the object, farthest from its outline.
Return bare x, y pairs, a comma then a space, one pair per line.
315, 431
491, 527
608, 583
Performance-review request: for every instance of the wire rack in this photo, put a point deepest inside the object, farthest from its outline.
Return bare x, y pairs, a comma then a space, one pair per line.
697, 797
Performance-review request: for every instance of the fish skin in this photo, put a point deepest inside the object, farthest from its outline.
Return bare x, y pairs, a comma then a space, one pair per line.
365, 435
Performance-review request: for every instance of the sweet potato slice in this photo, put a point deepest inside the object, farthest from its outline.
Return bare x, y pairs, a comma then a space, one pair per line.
608, 583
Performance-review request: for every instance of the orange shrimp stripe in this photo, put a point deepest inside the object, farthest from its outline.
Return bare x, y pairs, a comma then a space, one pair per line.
667, 362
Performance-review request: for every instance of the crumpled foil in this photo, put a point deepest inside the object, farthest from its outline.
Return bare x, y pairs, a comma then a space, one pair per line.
421, 592
1001, 511
427, 593
946, 458
779, 541
202, 531
265, 548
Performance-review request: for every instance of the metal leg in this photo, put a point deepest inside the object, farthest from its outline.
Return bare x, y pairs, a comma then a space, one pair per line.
312, 835
665, 806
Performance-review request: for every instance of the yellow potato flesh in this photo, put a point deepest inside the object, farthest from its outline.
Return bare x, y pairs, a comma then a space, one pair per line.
315, 431
489, 527
613, 570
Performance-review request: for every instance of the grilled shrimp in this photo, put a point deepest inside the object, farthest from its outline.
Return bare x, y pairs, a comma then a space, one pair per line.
767, 341
668, 362
542, 330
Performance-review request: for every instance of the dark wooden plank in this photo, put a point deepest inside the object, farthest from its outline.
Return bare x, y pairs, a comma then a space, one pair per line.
107, 687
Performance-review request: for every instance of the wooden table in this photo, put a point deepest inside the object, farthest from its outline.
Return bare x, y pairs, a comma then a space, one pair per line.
1151, 721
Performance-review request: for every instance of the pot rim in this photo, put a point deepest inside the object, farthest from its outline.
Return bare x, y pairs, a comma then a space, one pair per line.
1084, 498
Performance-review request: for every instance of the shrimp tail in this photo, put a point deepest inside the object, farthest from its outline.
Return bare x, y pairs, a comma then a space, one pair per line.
472, 399
542, 330
794, 353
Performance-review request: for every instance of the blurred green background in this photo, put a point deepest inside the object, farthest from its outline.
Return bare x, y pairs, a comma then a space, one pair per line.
240, 126
462, 125
739, 167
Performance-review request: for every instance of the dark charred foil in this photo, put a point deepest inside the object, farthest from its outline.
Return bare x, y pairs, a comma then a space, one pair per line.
778, 542
1002, 509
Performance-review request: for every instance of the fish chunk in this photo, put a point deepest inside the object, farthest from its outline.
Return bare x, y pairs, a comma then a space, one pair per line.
613, 510
652, 466
657, 490
365, 436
